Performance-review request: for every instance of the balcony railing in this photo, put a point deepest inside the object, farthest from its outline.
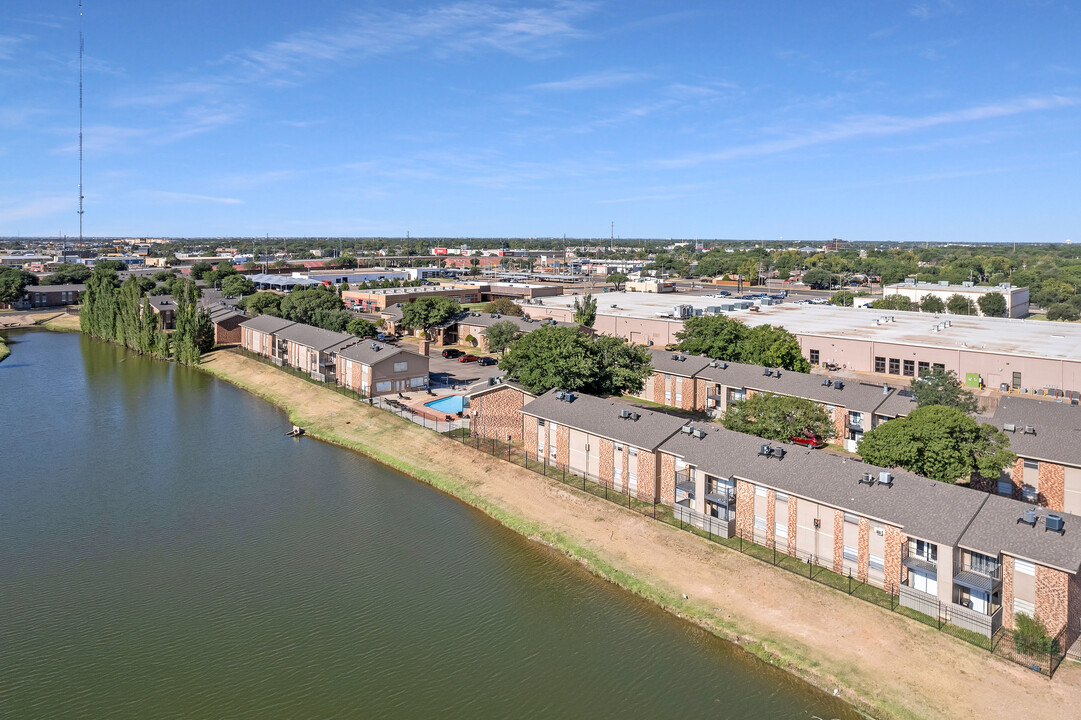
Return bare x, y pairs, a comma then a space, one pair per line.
685, 475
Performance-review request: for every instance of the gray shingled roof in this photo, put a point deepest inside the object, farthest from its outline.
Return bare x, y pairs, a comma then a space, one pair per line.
923, 507
898, 404
315, 337
56, 288
365, 352
854, 395
479, 388
690, 366
1057, 425
995, 529
267, 324
483, 319
600, 416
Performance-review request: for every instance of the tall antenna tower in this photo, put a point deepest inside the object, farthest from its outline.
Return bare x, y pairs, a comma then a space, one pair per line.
80, 122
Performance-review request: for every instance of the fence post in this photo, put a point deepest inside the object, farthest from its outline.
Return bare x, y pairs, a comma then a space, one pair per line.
775, 552
849, 580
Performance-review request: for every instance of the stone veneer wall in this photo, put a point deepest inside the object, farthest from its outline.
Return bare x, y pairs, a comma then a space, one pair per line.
1052, 485
864, 550
497, 414
604, 463
792, 527
895, 543
647, 476
1052, 598
838, 540
771, 518
744, 508
1007, 592
668, 478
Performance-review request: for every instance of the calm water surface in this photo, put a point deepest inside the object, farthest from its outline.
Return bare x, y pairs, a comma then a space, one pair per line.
166, 552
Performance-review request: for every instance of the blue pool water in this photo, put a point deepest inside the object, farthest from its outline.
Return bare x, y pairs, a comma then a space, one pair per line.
450, 404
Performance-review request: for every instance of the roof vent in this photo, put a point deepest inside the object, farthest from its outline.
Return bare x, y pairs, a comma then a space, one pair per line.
1029, 430
688, 429
1054, 523
885, 478
867, 479
1028, 517
624, 413
1009, 427
839, 385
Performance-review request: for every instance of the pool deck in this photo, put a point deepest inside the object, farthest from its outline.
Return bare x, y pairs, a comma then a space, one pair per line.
417, 399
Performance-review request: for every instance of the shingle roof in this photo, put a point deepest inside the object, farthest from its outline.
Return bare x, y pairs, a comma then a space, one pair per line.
898, 404
267, 324
479, 388
56, 288
222, 313
600, 416
315, 337
923, 507
365, 352
479, 319
1057, 425
853, 395
995, 529
689, 366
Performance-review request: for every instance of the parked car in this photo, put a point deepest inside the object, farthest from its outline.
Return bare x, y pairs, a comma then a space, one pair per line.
723, 293
486, 360
808, 441
451, 353
468, 358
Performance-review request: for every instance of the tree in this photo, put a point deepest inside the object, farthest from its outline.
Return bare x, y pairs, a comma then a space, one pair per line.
237, 286
474, 266
938, 442
204, 332
263, 303
164, 275
893, 302
562, 357
778, 417
585, 313
960, 305
819, 279
426, 312
301, 305
992, 304
114, 265
932, 304
343, 288
189, 335
13, 283
942, 387
843, 298
470, 340
500, 335
199, 269
503, 306
361, 328
67, 274
723, 338
1062, 312
617, 279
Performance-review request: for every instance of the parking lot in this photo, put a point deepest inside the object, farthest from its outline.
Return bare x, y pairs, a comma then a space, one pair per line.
444, 372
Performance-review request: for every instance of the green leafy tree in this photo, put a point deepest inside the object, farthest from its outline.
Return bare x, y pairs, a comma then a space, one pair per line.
893, 302
237, 286
503, 306
1062, 312
938, 442
562, 357
343, 288
114, 265
263, 303
617, 279
199, 269
67, 274
932, 304
251, 266
778, 417
818, 278
942, 387
164, 275
474, 266
500, 335
585, 312
361, 328
301, 305
204, 332
470, 340
992, 304
333, 320
13, 283
426, 312
843, 298
1030, 636
960, 305
723, 338
188, 333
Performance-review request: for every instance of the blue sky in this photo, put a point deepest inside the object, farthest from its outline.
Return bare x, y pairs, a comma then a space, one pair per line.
928, 120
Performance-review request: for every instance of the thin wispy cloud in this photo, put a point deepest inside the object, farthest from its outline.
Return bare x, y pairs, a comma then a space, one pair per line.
932, 9
166, 196
872, 126
9, 45
593, 81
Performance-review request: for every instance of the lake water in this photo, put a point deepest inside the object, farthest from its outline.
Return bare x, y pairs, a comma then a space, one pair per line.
166, 552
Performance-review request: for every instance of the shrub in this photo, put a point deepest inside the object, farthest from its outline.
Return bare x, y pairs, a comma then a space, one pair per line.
1030, 636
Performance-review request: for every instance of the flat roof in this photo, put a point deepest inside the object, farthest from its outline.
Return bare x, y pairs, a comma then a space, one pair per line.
1008, 336
981, 289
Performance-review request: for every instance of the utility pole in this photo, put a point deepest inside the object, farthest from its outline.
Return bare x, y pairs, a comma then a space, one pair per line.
80, 122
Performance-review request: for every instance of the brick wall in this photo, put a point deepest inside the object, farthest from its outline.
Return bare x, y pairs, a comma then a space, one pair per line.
700, 395
840, 416
1052, 485
864, 550
895, 543
529, 431
647, 476
792, 528
838, 540
497, 414
771, 518
228, 332
658, 388
1073, 597
1007, 591
563, 446
744, 508
1052, 598
687, 387
668, 478
607, 457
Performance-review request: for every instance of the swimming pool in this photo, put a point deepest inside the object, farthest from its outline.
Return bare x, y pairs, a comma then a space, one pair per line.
449, 404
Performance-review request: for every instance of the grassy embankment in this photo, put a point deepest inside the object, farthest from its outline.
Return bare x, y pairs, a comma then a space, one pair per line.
4, 349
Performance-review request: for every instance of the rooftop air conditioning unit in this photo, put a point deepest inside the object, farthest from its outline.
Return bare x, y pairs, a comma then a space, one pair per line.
1009, 427
624, 414
688, 429
885, 478
1028, 517
765, 450
839, 385
560, 394
827, 382
675, 356
569, 397
867, 479
767, 372
1029, 430
699, 434
713, 364
1054, 523
779, 453
635, 416
724, 366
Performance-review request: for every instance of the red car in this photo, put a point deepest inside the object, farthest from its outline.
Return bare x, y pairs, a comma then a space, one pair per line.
468, 358
808, 441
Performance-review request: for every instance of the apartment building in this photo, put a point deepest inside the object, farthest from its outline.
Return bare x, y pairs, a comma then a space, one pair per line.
673, 380
495, 410
372, 368
226, 321
312, 349
43, 296
260, 336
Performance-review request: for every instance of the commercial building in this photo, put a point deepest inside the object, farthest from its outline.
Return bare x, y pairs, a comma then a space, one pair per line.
379, 299
45, 296
1016, 297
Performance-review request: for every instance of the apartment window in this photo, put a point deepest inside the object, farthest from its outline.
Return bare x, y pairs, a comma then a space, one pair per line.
679, 398
909, 368
781, 529
880, 364
1029, 494
633, 452
382, 387
417, 382
925, 550
855, 418
1005, 487
617, 471
760, 491
876, 563
852, 519
814, 357
924, 367
851, 553
1032, 464
540, 423
983, 564
401, 366
1024, 567
759, 522
782, 497
1024, 607
619, 447
895, 366
552, 451
939, 366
